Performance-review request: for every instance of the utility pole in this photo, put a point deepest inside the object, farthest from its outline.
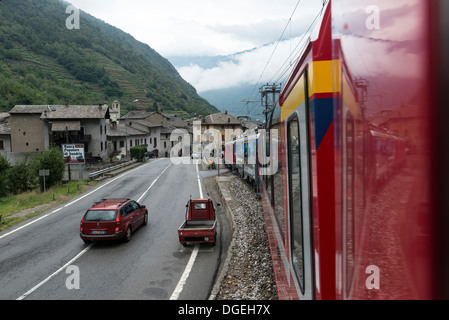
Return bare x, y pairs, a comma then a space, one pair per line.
267, 91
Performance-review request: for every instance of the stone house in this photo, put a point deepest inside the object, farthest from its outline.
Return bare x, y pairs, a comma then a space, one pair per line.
35, 128
227, 124
5, 132
28, 131
158, 127
121, 138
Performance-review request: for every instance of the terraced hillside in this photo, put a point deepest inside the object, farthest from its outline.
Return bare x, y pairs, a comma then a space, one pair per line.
43, 62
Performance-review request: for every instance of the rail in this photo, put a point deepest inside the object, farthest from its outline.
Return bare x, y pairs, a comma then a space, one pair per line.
107, 170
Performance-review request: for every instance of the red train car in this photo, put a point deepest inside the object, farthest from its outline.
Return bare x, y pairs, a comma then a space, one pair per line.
357, 209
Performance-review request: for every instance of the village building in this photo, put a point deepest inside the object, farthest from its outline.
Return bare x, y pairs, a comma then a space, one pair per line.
5, 132
28, 131
35, 128
226, 124
101, 130
121, 138
78, 125
159, 128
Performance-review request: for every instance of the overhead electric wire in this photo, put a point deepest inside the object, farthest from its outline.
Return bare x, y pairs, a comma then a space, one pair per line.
279, 41
295, 53
298, 54
275, 48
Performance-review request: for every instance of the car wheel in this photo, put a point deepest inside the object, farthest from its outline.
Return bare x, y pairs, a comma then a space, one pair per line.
128, 234
145, 218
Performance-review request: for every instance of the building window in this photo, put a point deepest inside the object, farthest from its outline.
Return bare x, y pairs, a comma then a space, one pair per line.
2, 145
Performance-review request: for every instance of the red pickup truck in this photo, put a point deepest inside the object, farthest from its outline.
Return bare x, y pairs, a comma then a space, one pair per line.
200, 225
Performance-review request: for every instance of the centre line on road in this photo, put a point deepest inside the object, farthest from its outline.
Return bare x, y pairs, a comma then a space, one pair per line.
79, 255
188, 269
74, 201
54, 273
199, 181
151, 186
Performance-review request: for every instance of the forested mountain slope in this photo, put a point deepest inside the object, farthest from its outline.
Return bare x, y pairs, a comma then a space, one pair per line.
44, 62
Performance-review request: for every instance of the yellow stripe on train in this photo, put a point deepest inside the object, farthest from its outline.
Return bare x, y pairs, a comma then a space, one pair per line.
320, 80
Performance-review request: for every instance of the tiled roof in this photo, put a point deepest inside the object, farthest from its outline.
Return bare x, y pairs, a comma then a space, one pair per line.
64, 111
122, 131
220, 119
76, 112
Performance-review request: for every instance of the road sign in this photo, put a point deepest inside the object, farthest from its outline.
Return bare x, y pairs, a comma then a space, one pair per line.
73, 153
44, 173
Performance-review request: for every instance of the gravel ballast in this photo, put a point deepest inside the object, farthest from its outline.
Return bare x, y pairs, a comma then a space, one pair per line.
248, 272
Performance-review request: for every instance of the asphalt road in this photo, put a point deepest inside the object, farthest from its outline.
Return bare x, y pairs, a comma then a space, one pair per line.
44, 258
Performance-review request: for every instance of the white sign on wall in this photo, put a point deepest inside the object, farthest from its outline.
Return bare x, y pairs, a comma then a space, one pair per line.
73, 153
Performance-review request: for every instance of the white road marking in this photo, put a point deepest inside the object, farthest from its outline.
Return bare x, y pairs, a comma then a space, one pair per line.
199, 181
55, 273
188, 269
185, 275
73, 202
151, 186
79, 255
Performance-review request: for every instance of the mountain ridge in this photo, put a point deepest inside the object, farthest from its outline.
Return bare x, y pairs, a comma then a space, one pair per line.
43, 62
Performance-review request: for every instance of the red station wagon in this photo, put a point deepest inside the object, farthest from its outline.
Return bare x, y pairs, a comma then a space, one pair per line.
111, 219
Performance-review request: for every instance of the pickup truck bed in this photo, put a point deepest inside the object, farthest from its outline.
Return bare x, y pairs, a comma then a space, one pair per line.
200, 225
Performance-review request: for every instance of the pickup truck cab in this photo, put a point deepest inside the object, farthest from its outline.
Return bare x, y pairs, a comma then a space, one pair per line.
200, 225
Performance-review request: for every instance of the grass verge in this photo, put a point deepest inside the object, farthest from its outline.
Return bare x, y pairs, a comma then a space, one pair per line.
15, 209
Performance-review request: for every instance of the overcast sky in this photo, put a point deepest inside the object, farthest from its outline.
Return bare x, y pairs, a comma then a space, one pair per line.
212, 27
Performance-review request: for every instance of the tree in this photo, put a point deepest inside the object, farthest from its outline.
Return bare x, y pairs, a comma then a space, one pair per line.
4, 168
53, 160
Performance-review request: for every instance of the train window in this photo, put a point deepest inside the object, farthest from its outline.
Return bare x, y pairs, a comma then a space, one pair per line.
296, 214
299, 191
348, 203
278, 190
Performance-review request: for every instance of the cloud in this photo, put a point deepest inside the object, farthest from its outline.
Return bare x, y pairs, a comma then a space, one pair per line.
201, 27
249, 67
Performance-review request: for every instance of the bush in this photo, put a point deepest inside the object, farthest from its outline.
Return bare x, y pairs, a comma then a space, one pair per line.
19, 178
53, 160
138, 152
4, 169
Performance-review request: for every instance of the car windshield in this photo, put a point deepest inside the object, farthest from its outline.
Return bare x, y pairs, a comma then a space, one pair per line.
100, 215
